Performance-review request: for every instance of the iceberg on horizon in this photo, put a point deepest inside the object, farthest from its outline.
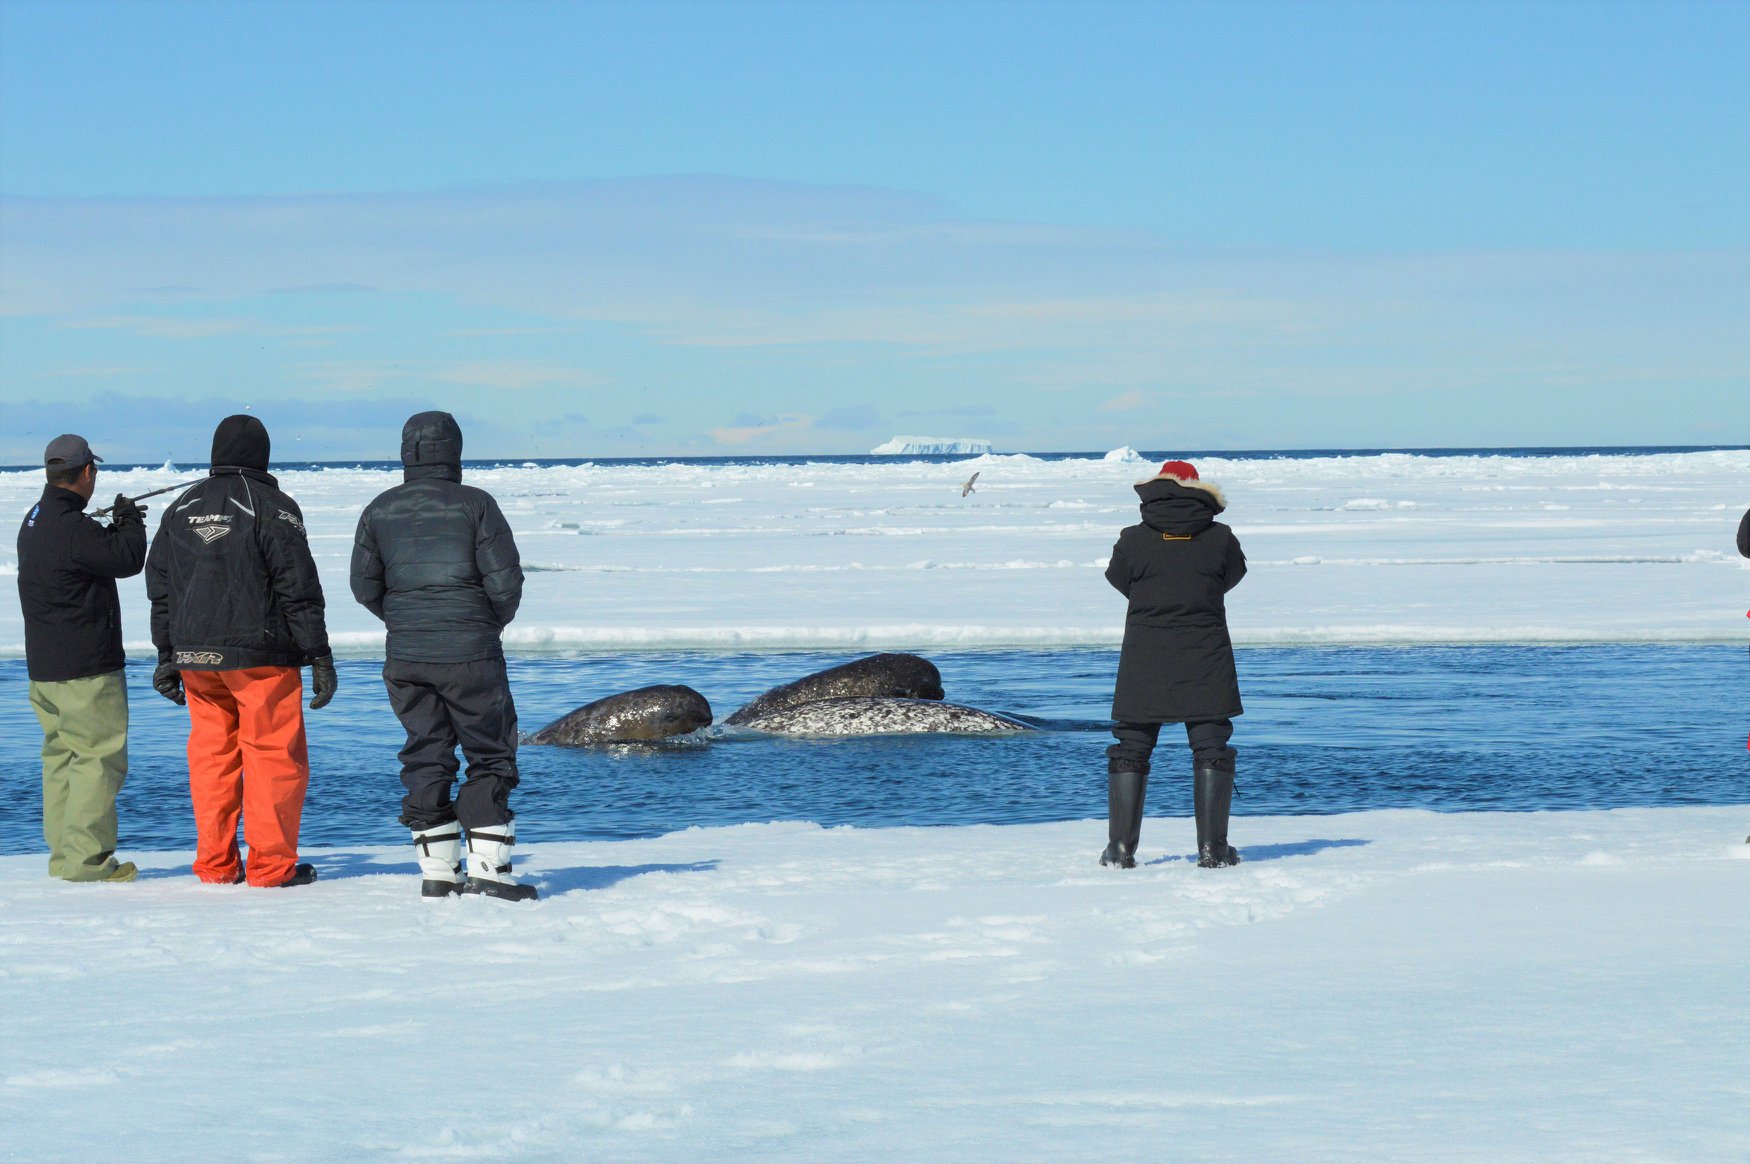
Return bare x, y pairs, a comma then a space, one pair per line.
917, 446
1125, 455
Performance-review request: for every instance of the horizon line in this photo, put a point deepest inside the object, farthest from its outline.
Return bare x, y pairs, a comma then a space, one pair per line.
1304, 452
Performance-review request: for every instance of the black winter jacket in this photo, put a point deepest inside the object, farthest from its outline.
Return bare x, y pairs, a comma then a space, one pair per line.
435, 559
1744, 535
1178, 662
67, 567
231, 579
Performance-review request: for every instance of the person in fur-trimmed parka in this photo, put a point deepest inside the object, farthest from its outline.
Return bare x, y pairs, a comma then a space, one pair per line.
1177, 664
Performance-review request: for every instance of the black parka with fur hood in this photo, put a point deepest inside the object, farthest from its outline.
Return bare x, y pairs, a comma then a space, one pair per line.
434, 558
1176, 567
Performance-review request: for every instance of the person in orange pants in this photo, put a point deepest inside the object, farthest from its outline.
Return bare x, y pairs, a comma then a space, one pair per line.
247, 755
236, 612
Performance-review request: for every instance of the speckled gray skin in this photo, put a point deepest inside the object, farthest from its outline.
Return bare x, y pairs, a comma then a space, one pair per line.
879, 717
649, 713
888, 675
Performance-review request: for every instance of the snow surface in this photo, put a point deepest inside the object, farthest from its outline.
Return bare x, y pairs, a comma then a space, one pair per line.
1388, 548
916, 446
1381, 986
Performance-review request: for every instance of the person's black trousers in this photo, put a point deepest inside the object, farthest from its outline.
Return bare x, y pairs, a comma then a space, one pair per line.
1136, 742
442, 705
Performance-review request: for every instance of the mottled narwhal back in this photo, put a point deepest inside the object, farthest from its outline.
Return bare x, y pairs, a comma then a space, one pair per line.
649, 713
884, 676
878, 717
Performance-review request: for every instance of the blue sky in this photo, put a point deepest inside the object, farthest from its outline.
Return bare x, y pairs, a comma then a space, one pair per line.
644, 229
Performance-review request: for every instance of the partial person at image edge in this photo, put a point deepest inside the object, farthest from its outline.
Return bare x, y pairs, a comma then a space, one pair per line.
67, 569
1177, 662
435, 560
1744, 549
237, 612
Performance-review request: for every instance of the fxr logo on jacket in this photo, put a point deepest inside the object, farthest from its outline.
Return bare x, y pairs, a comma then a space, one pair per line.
198, 658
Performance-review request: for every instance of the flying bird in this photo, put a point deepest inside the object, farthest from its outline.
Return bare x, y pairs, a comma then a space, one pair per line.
967, 488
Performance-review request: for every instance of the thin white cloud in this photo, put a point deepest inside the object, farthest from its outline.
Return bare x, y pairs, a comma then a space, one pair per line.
480, 332
510, 375
95, 372
791, 423
191, 327
1130, 401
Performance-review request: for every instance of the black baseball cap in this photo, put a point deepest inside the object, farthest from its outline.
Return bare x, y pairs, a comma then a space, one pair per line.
68, 451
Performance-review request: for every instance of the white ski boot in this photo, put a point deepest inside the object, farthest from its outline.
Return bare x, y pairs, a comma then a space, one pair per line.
489, 864
439, 849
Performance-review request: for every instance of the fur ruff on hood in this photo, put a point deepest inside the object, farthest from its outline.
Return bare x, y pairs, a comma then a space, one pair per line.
1209, 487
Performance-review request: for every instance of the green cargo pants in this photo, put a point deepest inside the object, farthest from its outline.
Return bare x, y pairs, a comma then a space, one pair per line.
85, 760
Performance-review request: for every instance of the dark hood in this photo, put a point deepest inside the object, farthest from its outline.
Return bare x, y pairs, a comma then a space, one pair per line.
1179, 507
431, 446
240, 442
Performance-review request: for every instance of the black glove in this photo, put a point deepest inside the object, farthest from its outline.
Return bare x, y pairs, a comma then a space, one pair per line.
126, 511
167, 681
323, 681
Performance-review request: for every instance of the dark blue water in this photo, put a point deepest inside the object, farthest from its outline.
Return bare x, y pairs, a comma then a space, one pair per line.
944, 458
1326, 730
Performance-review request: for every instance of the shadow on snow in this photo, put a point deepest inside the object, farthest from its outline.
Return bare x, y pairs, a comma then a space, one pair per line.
1253, 853
337, 866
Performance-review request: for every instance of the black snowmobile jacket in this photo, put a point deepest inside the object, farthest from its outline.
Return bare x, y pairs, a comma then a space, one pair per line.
1175, 568
434, 558
67, 567
231, 579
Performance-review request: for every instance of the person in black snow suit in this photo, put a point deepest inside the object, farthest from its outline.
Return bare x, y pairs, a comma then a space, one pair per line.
1177, 663
1744, 549
435, 560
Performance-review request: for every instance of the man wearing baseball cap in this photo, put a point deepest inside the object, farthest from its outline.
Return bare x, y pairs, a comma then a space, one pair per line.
67, 568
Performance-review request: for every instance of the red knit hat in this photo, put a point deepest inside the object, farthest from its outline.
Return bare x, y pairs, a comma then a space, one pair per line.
1183, 470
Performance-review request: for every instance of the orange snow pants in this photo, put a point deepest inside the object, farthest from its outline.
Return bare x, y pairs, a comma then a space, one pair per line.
246, 756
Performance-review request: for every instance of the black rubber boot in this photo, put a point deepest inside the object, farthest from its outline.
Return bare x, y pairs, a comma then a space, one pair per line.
1213, 792
1126, 788
302, 875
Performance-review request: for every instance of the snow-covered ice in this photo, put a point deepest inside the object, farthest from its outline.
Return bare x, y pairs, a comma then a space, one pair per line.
1392, 985
1387, 548
1383, 986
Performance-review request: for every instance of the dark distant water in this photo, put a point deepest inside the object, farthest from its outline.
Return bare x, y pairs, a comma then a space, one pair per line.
1326, 730
943, 458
